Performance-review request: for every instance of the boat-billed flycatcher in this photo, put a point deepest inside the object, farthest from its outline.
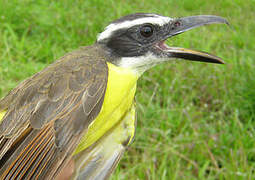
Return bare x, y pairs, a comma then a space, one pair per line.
80, 110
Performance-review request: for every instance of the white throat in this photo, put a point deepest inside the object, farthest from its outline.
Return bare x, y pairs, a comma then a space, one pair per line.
140, 64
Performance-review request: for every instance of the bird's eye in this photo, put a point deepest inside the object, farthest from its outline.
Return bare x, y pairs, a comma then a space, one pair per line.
146, 31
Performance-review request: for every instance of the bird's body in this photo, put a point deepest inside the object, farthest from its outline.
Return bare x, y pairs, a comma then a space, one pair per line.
119, 98
81, 108
118, 85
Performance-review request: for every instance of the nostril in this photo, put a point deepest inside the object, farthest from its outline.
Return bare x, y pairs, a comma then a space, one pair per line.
177, 24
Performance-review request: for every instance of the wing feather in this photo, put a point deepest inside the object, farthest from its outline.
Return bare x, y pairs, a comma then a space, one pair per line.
23, 161
47, 114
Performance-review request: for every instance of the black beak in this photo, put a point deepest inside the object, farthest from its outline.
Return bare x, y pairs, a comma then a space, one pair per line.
181, 25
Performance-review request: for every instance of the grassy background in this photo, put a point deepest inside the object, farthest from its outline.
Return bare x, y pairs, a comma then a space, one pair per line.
195, 120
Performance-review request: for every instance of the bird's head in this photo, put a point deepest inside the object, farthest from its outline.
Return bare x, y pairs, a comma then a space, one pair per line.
136, 41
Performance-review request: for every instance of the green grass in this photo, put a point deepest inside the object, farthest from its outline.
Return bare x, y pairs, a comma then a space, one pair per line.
195, 120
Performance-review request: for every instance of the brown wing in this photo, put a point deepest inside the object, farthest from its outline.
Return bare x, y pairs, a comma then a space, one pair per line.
48, 113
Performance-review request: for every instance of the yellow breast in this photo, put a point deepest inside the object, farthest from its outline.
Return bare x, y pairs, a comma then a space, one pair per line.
1, 115
119, 96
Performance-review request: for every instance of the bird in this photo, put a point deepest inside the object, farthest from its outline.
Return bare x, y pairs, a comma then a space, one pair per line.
80, 110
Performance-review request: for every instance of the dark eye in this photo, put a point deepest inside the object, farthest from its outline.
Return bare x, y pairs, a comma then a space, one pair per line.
146, 31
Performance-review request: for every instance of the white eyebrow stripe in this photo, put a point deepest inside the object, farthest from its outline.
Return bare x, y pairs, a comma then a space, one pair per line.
159, 20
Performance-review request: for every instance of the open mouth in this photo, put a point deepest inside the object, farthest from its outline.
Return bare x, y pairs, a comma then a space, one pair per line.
188, 54
182, 25
162, 45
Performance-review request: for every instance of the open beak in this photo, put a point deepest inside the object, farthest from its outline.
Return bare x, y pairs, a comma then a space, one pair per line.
181, 25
